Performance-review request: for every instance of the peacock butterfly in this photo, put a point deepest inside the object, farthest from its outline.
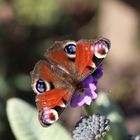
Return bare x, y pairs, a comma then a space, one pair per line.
67, 63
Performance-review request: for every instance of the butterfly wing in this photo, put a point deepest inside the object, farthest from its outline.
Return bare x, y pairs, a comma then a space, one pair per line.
52, 92
56, 54
79, 59
90, 54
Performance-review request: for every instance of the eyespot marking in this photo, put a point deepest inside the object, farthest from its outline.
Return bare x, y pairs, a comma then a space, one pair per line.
41, 86
101, 48
70, 49
48, 116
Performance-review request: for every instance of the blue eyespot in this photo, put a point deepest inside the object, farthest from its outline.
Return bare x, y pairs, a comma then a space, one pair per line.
40, 86
70, 50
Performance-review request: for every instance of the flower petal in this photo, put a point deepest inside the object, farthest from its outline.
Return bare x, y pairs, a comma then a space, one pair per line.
89, 79
93, 88
74, 100
98, 72
87, 100
89, 87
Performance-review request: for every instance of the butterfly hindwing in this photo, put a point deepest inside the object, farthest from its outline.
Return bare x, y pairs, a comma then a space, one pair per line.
57, 54
52, 92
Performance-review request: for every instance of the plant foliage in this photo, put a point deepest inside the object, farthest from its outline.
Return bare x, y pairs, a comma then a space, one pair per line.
25, 125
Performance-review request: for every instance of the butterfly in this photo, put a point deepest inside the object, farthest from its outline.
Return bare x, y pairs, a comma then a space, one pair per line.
66, 64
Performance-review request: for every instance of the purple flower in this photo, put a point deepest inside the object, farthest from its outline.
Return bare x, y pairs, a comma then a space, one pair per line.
87, 93
98, 72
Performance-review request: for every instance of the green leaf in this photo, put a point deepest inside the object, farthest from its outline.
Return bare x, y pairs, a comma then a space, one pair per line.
23, 119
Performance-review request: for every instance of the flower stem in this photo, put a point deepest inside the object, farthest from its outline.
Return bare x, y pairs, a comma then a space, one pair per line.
88, 110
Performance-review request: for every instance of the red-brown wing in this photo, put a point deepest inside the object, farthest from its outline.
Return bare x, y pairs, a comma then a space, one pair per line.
56, 54
53, 93
88, 55
51, 104
84, 55
53, 98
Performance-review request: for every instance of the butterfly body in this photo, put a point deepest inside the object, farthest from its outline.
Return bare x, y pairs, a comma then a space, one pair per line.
66, 64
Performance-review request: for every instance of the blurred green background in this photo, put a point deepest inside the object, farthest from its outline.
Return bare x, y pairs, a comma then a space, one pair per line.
29, 27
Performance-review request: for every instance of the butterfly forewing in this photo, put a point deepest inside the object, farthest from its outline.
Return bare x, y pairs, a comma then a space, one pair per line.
52, 92
90, 54
87, 56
